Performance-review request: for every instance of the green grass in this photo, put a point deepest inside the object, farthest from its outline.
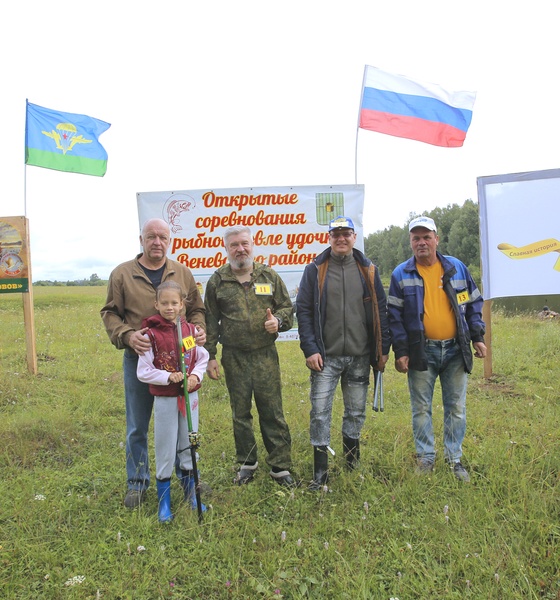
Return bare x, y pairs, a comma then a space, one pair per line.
380, 532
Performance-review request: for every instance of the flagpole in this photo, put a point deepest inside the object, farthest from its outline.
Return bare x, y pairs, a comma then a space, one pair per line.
358, 128
25, 190
356, 158
25, 164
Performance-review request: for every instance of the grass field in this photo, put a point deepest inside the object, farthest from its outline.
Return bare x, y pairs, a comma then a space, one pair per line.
379, 532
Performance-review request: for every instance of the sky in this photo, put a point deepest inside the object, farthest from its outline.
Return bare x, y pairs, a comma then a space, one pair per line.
224, 94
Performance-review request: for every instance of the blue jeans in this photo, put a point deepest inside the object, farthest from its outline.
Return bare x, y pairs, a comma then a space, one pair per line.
444, 360
353, 371
139, 403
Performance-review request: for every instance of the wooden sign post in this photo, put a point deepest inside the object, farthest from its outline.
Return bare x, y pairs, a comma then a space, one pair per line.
15, 276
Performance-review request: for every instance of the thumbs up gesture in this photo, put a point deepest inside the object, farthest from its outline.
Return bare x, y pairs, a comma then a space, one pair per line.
270, 322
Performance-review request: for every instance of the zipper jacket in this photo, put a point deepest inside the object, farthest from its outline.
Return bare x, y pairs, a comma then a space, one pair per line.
311, 306
131, 297
166, 358
236, 313
406, 310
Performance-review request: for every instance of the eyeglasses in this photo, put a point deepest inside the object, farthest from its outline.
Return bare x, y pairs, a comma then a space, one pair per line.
344, 234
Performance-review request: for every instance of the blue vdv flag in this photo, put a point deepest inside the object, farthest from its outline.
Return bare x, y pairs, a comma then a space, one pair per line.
64, 141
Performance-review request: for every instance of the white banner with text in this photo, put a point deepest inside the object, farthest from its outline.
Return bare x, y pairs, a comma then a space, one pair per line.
289, 225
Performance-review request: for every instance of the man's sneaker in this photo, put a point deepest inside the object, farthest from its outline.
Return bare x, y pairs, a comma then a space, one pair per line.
424, 466
460, 472
245, 474
134, 498
284, 478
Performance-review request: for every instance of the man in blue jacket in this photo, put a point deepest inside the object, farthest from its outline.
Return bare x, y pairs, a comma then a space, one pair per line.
435, 312
343, 331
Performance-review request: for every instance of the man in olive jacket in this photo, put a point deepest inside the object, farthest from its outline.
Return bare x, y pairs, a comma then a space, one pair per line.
247, 304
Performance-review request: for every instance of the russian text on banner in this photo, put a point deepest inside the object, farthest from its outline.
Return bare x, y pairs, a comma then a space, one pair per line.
406, 108
64, 141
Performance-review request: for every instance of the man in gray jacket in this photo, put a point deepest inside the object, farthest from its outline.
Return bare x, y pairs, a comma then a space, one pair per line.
343, 330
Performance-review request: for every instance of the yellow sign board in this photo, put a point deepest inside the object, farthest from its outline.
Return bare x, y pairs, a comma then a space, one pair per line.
14, 255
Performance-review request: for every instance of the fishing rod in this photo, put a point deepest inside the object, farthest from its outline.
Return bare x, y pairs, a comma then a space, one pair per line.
193, 435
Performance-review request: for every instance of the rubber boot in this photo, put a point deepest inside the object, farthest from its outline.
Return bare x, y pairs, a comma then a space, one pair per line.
164, 500
188, 483
351, 449
320, 468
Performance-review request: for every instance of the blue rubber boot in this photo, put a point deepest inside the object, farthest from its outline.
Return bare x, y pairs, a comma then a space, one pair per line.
188, 483
164, 500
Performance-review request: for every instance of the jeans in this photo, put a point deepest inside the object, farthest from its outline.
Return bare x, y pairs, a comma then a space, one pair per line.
353, 371
138, 403
446, 361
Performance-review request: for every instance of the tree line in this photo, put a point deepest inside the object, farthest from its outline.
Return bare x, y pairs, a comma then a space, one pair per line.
458, 230
94, 280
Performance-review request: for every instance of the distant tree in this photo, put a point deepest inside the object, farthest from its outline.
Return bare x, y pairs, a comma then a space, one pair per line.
94, 279
372, 247
387, 248
458, 230
464, 238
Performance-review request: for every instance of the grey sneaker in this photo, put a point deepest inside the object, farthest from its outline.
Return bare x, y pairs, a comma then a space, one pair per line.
134, 498
460, 472
284, 478
245, 474
424, 466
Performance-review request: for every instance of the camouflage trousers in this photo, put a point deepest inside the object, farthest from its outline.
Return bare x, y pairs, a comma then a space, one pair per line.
257, 373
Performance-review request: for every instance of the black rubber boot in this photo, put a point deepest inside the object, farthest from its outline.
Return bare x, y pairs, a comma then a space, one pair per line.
320, 468
351, 449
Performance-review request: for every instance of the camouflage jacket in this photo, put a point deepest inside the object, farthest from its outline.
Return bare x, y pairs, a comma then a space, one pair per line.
236, 313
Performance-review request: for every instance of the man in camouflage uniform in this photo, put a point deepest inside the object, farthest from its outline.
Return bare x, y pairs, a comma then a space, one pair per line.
247, 304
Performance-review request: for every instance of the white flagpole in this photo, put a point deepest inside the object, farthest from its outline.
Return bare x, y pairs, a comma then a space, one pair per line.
358, 127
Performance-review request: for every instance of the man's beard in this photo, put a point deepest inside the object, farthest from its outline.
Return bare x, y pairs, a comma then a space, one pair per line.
241, 262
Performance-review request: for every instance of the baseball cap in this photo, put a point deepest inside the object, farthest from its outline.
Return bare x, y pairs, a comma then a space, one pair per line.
422, 222
341, 223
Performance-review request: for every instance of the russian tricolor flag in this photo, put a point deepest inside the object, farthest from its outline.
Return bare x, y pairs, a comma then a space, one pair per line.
406, 108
